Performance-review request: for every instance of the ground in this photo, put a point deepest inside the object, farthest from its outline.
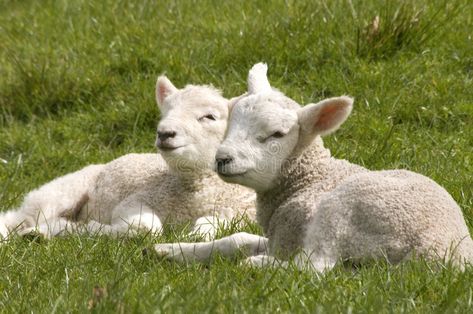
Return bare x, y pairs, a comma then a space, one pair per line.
77, 87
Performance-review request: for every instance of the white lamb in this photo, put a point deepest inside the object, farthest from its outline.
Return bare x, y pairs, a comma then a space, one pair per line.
332, 209
144, 190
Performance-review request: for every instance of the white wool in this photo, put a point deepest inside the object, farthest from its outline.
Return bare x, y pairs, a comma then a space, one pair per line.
143, 191
329, 209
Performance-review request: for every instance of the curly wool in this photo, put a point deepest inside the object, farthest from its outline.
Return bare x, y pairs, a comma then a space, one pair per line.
285, 210
175, 196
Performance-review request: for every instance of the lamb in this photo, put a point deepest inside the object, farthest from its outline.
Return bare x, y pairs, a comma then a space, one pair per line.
316, 207
141, 191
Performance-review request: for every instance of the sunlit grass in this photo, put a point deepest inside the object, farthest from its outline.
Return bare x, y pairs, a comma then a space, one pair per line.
77, 87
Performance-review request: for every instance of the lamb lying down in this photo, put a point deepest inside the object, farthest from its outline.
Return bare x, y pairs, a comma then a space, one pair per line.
141, 191
331, 209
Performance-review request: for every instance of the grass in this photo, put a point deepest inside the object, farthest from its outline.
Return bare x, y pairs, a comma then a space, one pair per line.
77, 87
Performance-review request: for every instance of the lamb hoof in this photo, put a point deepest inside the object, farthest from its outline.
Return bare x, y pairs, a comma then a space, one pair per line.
150, 253
34, 236
254, 261
170, 252
4, 232
260, 261
163, 250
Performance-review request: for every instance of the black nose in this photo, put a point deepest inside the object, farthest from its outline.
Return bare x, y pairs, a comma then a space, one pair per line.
222, 162
165, 135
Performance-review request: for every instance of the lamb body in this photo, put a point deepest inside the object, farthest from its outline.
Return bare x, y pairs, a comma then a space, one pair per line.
338, 210
395, 214
175, 196
142, 190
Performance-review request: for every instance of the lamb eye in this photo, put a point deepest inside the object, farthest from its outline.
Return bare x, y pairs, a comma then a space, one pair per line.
207, 116
277, 134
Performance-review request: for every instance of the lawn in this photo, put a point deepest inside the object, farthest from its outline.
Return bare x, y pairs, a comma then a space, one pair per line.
77, 87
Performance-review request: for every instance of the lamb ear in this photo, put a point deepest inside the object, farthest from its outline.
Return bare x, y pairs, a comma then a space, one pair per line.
164, 88
326, 116
258, 80
234, 100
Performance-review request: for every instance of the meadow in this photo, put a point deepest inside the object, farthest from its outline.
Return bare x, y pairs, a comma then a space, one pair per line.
77, 83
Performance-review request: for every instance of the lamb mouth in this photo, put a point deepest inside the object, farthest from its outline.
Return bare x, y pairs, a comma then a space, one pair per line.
231, 175
169, 148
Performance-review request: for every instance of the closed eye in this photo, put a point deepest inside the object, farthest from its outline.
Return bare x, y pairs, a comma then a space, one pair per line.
277, 134
207, 117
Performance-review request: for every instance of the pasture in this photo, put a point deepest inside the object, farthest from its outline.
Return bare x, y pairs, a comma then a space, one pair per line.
77, 83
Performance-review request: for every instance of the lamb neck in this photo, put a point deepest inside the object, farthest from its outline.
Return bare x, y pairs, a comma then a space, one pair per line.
293, 200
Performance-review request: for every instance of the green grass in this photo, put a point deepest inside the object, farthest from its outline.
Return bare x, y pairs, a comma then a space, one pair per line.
77, 87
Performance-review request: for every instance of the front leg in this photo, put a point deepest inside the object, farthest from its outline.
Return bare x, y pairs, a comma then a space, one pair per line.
303, 261
261, 261
248, 244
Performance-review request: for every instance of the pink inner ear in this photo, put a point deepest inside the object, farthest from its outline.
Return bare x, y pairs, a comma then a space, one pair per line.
162, 92
329, 116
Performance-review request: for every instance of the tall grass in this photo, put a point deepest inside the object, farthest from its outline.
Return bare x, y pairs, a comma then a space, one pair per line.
404, 24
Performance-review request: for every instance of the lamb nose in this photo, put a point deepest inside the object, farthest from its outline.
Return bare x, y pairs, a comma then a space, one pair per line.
222, 162
165, 135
